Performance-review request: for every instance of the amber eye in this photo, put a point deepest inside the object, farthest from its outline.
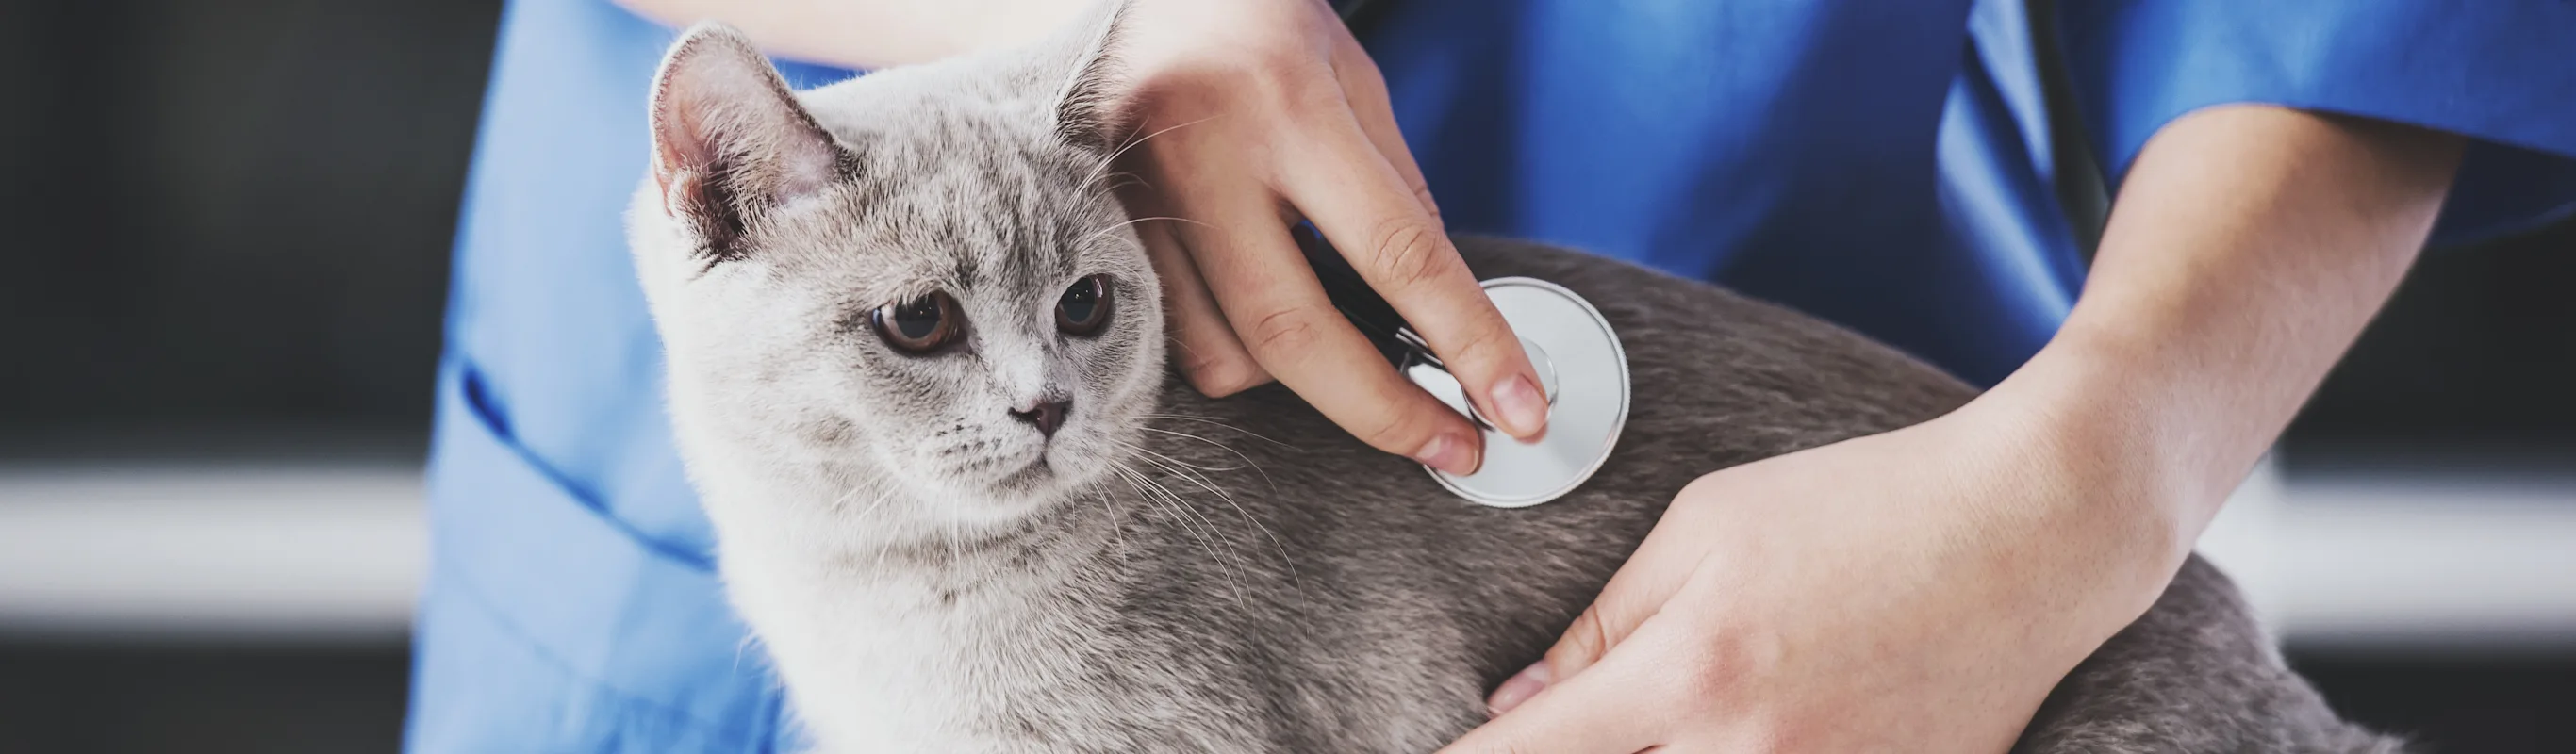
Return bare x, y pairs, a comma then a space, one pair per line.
1084, 307
921, 325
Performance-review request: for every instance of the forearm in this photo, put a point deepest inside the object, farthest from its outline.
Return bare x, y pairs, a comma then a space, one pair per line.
2248, 248
870, 33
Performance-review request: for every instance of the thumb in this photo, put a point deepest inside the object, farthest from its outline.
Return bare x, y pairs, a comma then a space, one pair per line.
1634, 594
1599, 713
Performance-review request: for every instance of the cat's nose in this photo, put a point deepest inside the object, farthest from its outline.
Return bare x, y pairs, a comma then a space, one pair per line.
1046, 415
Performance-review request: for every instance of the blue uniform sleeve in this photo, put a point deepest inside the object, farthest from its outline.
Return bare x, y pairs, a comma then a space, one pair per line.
572, 602
2501, 72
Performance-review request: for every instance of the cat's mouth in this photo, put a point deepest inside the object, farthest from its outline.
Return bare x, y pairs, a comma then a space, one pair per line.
1056, 468
1032, 476
1030, 469
1035, 471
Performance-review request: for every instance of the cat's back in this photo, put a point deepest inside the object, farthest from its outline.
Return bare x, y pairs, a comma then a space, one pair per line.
1717, 380
1745, 378
1366, 558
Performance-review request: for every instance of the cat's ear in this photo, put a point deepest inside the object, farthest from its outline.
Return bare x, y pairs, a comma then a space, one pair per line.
1086, 101
729, 139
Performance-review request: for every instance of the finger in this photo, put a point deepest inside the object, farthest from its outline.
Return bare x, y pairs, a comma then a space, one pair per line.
1365, 88
1211, 357
1598, 713
1363, 206
1637, 592
1279, 312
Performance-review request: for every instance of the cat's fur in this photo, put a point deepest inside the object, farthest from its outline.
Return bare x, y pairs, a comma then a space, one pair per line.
1169, 572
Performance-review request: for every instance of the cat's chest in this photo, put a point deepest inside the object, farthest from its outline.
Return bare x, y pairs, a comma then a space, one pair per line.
1035, 662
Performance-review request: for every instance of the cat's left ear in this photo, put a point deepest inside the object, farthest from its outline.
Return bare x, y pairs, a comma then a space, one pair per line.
1086, 101
729, 140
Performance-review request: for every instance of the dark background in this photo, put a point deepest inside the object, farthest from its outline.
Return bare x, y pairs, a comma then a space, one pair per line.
229, 228
238, 214
229, 214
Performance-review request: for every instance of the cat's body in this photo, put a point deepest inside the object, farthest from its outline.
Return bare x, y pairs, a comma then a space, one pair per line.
933, 571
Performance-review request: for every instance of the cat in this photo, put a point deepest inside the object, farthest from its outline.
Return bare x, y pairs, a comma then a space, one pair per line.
916, 370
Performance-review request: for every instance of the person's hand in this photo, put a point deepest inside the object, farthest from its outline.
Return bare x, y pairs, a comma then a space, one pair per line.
1250, 115
1920, 590
1924, 589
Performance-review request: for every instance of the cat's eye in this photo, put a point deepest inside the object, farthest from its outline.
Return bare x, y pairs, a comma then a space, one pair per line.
1084, 307
921, 325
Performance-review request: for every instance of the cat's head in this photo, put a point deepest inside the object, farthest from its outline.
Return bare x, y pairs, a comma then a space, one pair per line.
915, 279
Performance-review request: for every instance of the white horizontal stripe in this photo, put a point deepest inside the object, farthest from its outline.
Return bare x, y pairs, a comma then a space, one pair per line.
337, 553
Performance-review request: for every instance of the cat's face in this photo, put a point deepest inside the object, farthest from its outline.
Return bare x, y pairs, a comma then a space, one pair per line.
915, 276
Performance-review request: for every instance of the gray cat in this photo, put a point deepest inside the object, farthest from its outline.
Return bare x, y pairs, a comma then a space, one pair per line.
916, 368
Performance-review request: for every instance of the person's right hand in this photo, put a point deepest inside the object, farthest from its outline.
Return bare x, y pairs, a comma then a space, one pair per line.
1249, 115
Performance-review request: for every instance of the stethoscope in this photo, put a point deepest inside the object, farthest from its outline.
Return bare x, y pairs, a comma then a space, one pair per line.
1581, 368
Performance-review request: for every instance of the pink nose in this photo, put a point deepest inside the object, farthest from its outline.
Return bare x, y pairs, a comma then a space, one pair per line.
1046, 415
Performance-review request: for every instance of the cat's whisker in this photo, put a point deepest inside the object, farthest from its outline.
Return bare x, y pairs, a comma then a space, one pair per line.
956, 553
845, 496
1233, 567
1131, 221
882, 498
1183, 471
883, 494
1180, 469
1117, 522
1112, 159
1247, 460
1100, 488
1147, 488
741, 647
1215, 423
1114, 176
1162, 496
1116, 181
1183, 464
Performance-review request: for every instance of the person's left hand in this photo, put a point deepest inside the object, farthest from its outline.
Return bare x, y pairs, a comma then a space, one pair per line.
1920, 590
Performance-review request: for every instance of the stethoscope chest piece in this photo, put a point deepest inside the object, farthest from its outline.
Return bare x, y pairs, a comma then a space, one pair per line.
1584, 374
1581, 369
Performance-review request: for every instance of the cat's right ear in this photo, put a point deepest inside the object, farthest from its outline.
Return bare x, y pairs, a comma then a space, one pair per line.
1086, 105
729, 139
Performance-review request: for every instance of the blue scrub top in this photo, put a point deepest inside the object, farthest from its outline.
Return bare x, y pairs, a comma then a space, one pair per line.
1884, 165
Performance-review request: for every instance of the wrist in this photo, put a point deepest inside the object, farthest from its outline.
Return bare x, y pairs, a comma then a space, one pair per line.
2120, 486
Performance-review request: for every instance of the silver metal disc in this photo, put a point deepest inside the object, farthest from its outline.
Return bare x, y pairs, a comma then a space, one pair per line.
1588, 398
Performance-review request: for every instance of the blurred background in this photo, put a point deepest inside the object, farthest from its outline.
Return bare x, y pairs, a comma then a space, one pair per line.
222, 313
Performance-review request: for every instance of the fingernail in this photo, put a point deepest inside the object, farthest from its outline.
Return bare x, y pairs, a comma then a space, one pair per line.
1524, 410
1519, 689
1450, 453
